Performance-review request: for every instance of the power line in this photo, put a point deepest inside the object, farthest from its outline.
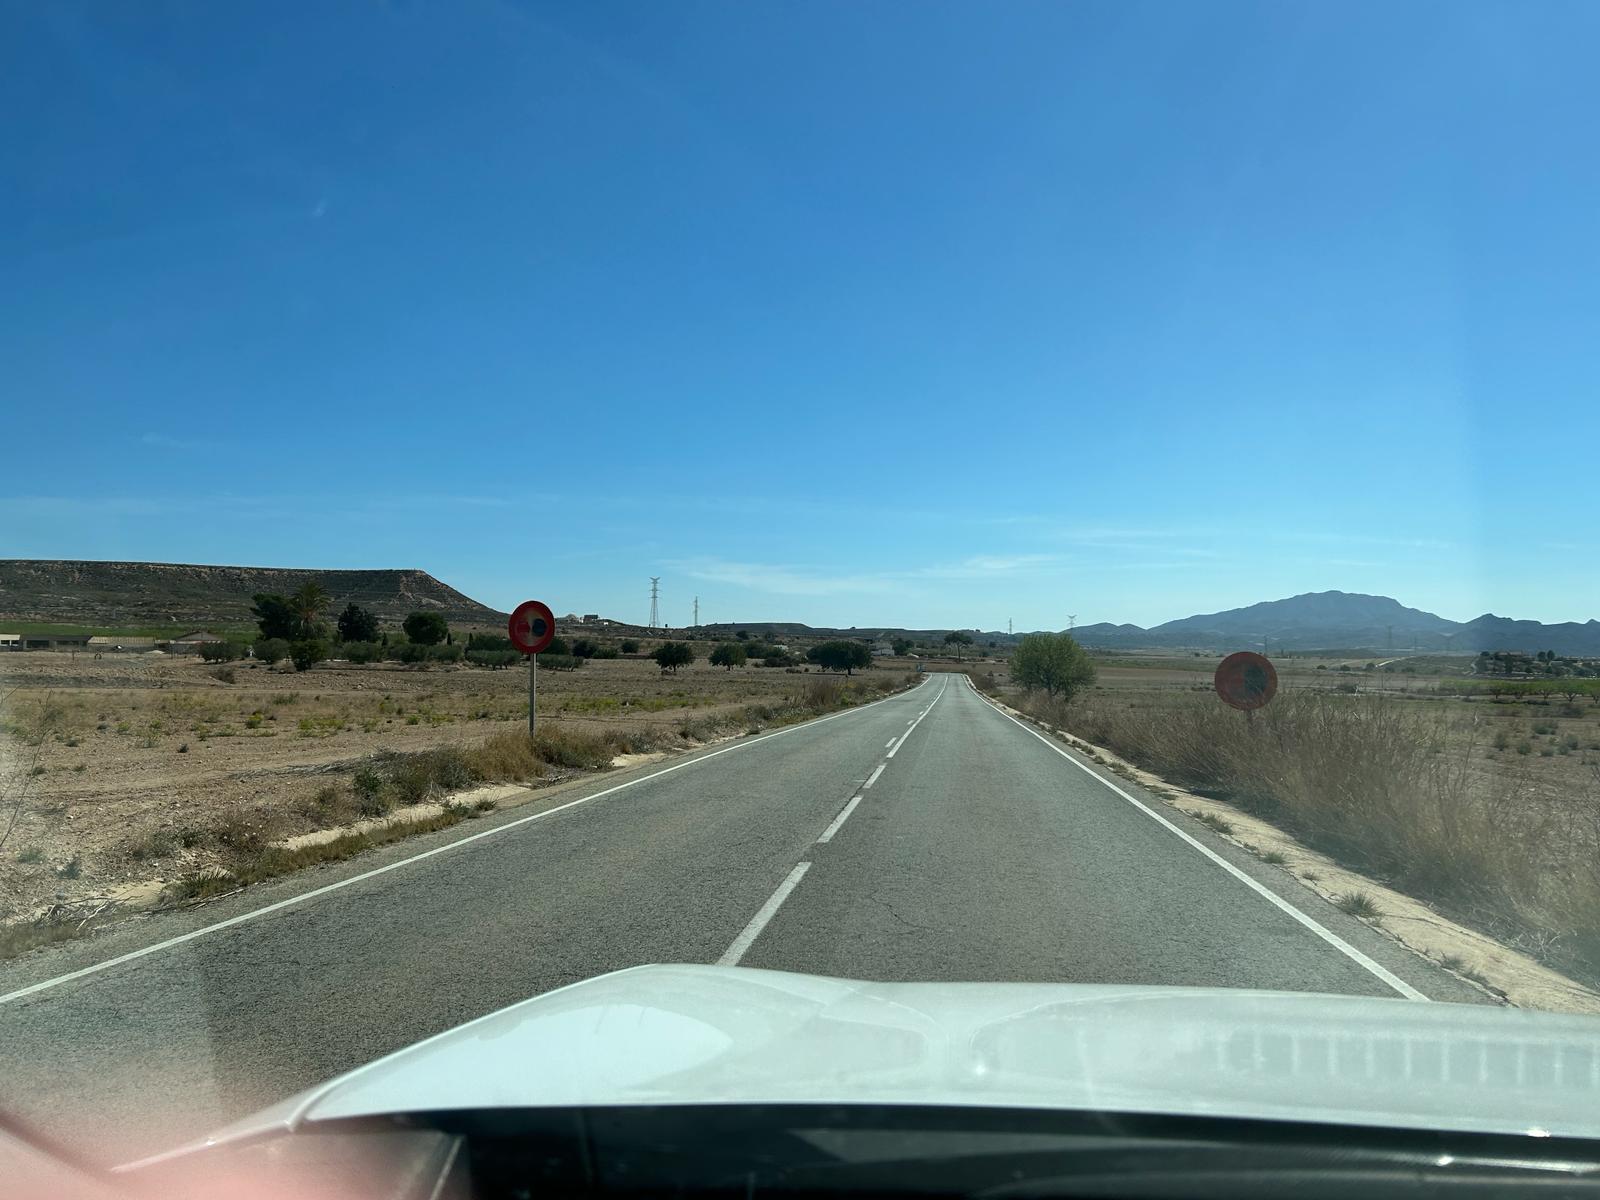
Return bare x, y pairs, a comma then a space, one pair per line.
655, 597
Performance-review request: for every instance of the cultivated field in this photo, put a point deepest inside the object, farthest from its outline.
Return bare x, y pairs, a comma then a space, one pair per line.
127, 775
1486, 806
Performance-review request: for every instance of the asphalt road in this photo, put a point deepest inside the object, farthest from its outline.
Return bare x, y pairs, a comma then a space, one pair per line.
925, 837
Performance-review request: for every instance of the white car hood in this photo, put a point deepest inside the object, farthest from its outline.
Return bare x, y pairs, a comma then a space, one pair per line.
679, 1035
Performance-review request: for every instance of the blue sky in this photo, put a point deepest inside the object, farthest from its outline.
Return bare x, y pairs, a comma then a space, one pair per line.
923, 314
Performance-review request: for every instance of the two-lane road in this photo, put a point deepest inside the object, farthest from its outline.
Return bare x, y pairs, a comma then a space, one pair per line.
928, 836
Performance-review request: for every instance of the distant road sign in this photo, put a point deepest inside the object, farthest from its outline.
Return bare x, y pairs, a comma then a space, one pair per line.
532, 626
1245, 680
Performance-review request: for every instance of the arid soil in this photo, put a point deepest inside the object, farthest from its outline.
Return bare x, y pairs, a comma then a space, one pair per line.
117, 770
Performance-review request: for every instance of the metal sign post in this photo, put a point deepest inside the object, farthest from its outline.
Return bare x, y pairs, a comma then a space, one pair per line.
533, 693
532, 628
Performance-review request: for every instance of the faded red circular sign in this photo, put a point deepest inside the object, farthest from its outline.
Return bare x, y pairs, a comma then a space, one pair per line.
532, 627
1245, 680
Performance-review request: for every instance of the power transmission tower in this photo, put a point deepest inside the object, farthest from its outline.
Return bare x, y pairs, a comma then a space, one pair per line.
697, 612
1072, 622
655, 597
1010, 632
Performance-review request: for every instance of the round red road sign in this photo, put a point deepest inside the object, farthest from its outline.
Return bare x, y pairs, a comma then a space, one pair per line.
1245, 680
532, 627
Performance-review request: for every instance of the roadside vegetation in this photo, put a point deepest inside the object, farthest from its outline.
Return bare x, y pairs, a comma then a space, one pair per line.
201, 784
1425, 794
245, 849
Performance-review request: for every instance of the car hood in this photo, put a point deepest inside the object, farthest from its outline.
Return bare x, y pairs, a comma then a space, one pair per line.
677, 1035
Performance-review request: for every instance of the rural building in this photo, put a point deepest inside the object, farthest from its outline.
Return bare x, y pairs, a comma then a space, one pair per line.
55, 641
10, 641
190, 643
111, 642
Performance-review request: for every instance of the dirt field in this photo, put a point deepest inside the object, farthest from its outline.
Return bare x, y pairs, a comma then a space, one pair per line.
129, 766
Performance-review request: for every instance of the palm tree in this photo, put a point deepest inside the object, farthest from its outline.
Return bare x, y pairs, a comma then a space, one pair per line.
309, 601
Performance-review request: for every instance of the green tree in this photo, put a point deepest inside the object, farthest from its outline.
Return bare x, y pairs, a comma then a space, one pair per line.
729, 655
901, 647
307, 652
271, 650
356, 624
218, 652
630, 646
309, 602
425, 628
1053, 663
585, 648
958, 639
275, 616
670, 656
841, 655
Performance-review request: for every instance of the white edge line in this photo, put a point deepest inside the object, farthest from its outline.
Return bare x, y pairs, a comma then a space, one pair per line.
758, 922
1327, 935
844, 813
873, 778
301, 898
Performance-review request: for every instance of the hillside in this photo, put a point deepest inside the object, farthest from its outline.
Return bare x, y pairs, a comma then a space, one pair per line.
134, 594
1352, 619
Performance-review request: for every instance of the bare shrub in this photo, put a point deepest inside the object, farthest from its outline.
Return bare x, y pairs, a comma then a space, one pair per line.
821, 694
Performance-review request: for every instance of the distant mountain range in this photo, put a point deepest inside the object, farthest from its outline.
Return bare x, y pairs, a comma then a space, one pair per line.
136, 594
1346, 620
139, 594
1314, 621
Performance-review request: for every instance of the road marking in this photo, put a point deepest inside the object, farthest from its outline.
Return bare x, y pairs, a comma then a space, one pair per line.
873, 778
917, 720
759, 922
827, 834
1327, 935
302, 897
889, 745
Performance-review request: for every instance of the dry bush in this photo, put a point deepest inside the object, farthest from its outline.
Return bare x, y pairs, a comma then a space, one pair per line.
573, 748
821, 694
505, 756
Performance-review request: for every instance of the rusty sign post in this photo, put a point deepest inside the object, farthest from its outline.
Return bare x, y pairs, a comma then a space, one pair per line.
532, 628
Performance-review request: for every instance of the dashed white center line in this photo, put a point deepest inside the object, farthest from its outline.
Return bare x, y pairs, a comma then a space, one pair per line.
844, 813
889, 745
752, 931
873, 778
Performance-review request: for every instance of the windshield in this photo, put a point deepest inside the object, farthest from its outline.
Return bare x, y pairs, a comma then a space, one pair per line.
939, 493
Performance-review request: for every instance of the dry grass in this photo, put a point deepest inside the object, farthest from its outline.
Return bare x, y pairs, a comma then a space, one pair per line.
224, 848
1388, 785
273, 861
